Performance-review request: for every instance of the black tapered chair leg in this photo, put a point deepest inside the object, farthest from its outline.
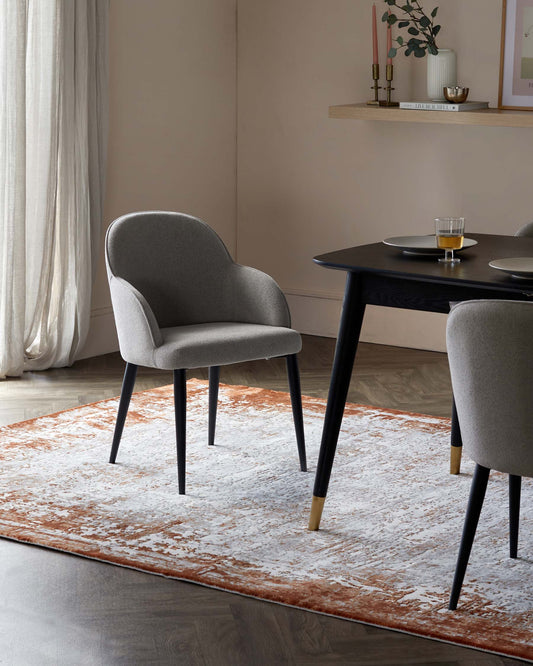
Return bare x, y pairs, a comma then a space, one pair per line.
180, 408
128, 383
296, 401
475, 502
214, 380
515, 486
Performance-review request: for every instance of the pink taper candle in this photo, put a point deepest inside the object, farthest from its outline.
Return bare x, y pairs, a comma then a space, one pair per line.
375, 36
389, 43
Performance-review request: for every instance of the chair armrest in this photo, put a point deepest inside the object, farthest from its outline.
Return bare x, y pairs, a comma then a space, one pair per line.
137, 329
257, 298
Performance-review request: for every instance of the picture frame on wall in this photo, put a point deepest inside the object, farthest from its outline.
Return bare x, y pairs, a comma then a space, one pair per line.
516, 59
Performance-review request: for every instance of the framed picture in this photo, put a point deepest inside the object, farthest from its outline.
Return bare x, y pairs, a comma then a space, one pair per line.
516, 60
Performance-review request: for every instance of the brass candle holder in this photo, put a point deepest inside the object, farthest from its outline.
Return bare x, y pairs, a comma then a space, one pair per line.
375, 87
389, 75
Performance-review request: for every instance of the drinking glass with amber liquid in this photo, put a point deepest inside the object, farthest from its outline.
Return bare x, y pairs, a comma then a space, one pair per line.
450, 234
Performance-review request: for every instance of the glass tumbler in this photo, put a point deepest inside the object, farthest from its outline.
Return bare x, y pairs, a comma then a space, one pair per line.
450, 233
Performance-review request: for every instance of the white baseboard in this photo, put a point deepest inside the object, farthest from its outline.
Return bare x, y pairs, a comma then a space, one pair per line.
318, 313
102, 336
315, 313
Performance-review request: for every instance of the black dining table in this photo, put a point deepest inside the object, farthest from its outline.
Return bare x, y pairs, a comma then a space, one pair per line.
379, 274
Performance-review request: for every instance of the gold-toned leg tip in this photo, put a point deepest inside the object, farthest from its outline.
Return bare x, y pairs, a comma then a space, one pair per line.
455, 459
316, 512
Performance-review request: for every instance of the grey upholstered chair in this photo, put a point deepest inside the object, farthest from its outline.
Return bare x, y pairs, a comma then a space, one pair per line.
526, 230
181, 302
490, 350
456, 449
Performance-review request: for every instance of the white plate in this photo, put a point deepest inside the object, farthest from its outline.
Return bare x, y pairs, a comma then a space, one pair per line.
517, 267
422, 244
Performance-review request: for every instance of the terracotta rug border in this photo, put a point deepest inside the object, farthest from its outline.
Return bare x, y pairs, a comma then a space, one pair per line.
382, 625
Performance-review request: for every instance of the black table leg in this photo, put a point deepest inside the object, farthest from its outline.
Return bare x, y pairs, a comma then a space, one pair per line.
456, 443
353, 310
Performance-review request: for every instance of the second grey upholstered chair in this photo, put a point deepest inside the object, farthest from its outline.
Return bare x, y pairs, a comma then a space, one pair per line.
526, 230
456, 449
181, 302
490, 351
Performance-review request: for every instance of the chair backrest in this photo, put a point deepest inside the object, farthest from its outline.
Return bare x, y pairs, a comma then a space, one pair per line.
176, 261
526, 230
490, 351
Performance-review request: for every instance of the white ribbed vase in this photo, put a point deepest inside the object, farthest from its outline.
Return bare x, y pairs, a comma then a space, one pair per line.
442, 71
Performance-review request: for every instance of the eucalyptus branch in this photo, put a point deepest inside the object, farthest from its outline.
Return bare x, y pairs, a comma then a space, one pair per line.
421, 27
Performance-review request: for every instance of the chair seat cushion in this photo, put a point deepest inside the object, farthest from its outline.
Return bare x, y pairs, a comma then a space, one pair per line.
221, 343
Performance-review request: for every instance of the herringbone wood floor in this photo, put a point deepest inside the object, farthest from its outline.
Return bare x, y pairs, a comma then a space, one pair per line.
59, 609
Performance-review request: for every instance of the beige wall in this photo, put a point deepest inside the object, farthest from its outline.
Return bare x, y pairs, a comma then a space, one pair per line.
307, 184
172, 121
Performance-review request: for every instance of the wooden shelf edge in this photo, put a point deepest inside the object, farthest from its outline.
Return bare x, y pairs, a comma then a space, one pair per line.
486, 117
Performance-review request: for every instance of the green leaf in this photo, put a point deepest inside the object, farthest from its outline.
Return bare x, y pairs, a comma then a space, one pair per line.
408, 51
392, 53
420, 53
390, 2
399, 39
392, 19
385, 17
434, 12
414, 43
413, 31
436, 30
425, 22
403, 24
407, 8
433, 49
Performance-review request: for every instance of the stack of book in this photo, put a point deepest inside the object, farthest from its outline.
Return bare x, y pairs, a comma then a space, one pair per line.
444, 106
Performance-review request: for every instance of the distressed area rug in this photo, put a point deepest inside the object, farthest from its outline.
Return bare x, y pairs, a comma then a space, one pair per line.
385, 553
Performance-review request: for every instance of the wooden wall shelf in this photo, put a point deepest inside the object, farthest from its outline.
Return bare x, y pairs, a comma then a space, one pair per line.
487, 117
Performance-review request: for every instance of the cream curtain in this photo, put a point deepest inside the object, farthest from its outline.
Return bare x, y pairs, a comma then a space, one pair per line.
53, 128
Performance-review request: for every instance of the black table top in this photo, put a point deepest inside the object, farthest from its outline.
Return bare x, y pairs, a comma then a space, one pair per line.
473, 269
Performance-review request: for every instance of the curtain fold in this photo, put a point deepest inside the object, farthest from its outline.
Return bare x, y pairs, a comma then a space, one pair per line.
53, 130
